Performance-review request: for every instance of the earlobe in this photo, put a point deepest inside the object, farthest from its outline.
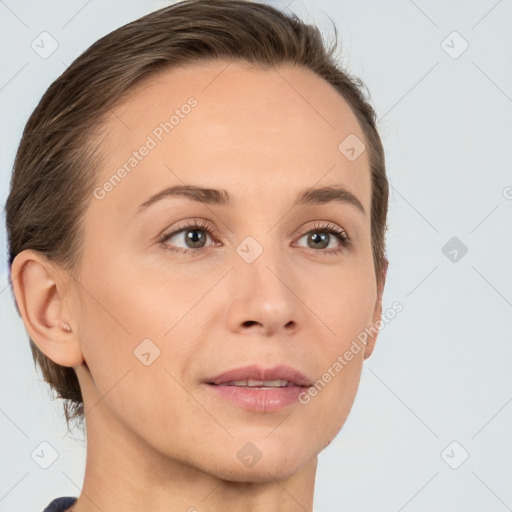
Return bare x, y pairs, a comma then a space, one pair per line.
39, 289
66, 327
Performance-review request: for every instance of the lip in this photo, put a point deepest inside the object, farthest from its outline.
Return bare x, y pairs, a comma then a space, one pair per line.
260, 399
256, 372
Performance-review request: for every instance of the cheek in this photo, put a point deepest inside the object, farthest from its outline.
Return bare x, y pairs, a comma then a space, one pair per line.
332, 396
341, 394
135, 336
344, 307
120, 305
135, 370
115, 317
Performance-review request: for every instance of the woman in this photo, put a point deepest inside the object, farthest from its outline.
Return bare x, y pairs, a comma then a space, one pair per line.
196, 228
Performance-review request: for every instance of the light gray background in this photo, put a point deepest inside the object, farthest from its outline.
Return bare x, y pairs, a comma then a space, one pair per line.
441, 370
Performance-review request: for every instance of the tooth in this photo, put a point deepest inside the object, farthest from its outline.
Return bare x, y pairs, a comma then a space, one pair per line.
275, 383
278, 383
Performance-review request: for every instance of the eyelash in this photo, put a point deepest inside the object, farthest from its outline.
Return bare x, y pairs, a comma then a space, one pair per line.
324, 227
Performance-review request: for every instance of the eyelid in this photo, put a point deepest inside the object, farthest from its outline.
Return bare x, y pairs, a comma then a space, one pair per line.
189, 223
211, 230
326, 225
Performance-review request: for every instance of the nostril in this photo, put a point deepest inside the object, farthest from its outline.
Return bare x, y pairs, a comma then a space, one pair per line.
248, 323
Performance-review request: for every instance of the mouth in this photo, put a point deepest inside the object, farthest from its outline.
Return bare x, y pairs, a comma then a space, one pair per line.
260, 389
259, 384
257, 376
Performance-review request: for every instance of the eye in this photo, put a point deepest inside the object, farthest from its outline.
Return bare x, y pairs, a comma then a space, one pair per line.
321, 236
193, 234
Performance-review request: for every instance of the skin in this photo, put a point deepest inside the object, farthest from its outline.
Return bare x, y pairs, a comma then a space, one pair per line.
157, 439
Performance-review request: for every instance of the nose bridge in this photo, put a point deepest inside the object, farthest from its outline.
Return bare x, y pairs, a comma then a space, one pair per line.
262, 259
263, 285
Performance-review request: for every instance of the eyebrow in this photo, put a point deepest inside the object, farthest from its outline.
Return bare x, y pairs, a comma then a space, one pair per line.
312, 195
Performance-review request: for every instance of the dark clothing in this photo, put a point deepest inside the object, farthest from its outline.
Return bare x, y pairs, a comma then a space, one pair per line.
60, 504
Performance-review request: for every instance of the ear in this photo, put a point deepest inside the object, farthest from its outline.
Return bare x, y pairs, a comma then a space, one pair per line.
39, 288
377, 313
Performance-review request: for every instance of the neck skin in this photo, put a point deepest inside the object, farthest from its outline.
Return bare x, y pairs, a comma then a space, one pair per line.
124, 473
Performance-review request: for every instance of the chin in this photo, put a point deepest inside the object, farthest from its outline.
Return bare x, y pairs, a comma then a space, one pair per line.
274, 464
260, 473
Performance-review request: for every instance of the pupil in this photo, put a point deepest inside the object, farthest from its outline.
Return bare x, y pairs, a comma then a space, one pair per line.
323, 237
192, 236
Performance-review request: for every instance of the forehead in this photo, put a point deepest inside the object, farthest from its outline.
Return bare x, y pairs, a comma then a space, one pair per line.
235, 126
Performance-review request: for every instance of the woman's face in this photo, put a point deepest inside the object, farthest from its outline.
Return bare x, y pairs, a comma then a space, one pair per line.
260, 281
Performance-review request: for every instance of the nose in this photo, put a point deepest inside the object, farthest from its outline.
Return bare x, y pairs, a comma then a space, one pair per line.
262, 298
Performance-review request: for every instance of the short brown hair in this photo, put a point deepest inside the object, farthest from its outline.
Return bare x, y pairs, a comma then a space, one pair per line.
56, 164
